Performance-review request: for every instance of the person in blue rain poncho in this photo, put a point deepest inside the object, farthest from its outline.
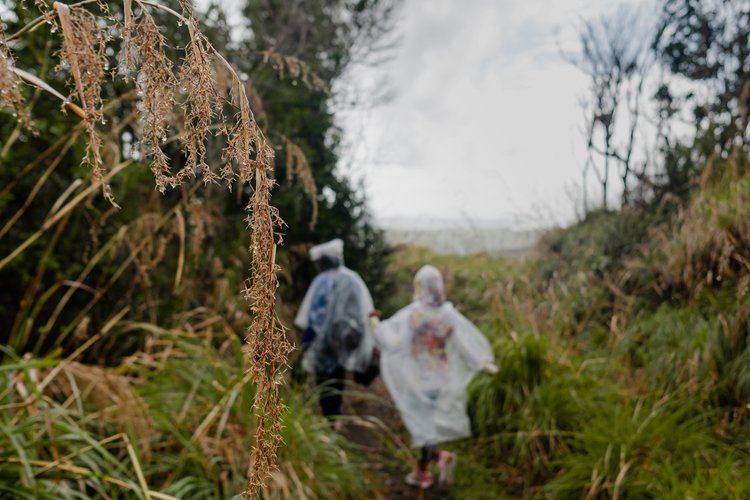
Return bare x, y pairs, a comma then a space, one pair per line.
334, 318
429, 354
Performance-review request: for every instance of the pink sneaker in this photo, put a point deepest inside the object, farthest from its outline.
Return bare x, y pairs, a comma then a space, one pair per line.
422, 479
446, 462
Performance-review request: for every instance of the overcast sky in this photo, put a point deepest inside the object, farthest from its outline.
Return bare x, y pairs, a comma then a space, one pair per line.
484, 122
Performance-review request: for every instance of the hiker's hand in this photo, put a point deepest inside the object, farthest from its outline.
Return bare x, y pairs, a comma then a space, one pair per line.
373, 322
490, 368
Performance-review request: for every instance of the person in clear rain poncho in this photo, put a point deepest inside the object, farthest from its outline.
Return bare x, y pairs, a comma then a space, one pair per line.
429, 354
334, 318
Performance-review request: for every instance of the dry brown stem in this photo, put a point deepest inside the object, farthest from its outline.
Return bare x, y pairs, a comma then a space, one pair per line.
202, 99
296, 69
10, 93
156, 84
267, 345
83, 51
247, 148
296, 164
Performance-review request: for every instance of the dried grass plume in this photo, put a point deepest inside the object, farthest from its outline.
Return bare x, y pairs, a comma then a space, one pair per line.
10, 92
82, 50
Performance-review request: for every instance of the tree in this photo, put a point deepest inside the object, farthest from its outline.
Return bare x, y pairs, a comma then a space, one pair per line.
615, 57
323, 37
708, 43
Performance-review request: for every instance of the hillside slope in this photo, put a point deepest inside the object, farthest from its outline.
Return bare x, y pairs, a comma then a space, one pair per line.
623, 354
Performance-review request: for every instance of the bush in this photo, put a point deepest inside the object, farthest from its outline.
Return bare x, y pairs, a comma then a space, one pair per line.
647, 449
92, 431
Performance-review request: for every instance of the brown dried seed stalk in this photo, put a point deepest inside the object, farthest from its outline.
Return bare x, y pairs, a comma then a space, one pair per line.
10, 92
297, 68
156, 84
267, 345
243, 138
296, 164
128, 56
83, 50
202, 102
203, 219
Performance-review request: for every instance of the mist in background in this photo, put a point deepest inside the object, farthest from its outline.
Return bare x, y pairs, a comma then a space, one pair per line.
475, 121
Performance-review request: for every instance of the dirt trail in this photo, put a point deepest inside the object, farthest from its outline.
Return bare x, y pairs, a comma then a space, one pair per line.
387, 466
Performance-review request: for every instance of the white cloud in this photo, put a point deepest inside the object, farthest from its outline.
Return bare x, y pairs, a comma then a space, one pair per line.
485, 123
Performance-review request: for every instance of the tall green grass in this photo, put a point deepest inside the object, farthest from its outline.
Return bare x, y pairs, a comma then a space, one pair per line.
623, 352
173, 420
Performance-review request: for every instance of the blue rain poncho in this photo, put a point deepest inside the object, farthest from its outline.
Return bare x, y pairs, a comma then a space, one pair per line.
334, 316
429, 354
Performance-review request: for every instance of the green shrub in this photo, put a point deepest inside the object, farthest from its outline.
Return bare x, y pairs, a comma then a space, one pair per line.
646, 449
521, 360
184, 406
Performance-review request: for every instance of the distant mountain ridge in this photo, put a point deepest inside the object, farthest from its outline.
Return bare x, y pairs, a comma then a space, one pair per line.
461, 237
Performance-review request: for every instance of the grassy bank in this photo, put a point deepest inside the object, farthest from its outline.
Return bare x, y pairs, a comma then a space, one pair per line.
173, 420
622, 344
623, 351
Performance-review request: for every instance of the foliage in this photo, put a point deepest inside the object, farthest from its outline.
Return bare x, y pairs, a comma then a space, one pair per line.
615, 58
707, 42
76, 264
613, 383
72, 430
690, 64
183, 233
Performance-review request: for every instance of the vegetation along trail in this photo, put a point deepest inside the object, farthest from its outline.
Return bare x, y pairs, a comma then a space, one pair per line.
604, 386
148, 155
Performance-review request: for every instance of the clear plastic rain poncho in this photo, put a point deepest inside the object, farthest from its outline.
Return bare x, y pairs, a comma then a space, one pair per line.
429, 354
336, 308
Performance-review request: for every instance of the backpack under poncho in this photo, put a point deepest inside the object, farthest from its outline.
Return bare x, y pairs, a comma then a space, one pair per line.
336, 307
